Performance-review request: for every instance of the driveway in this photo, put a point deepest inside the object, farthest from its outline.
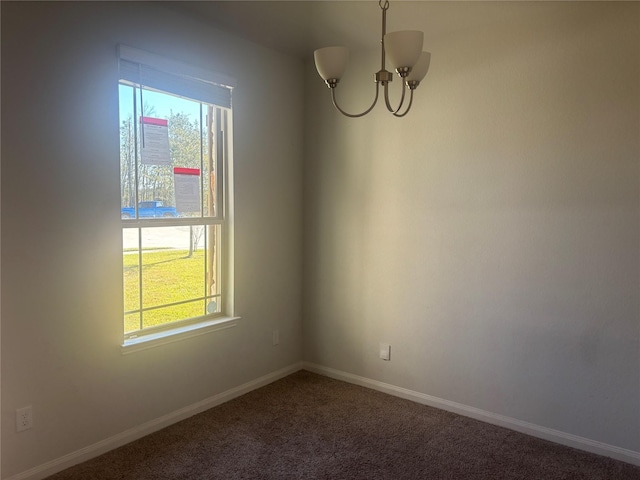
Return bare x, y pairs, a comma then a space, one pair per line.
157, 237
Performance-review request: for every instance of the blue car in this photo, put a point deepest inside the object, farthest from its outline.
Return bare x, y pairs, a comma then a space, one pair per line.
149, 209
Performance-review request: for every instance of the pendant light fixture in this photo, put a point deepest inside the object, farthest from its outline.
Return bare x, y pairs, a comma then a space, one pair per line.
404, 51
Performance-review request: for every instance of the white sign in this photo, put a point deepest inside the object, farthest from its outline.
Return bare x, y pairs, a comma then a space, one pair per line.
155, 141
187, 188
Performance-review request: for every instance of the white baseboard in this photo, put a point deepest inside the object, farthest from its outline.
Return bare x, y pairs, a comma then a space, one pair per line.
545, 433
92, 451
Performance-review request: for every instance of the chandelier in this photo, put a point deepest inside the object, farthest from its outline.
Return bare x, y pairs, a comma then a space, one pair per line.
404, 49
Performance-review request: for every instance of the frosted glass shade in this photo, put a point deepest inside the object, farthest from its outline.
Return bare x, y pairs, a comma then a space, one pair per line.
331, 62
403, 48
420, 69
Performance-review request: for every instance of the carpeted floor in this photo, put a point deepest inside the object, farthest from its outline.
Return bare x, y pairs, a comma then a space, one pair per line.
307, 426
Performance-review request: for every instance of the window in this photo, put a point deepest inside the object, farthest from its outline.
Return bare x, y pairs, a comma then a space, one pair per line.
175, 123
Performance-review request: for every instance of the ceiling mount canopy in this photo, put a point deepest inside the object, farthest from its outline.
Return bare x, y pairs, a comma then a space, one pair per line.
404, 51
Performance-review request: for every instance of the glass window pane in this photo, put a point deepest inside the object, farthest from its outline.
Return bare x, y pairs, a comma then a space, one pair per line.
127, 151
212, 247
132, 322
189, 131
213, 305
173, 313
131, 271
209, 162
179, 265
181, 123
172, 266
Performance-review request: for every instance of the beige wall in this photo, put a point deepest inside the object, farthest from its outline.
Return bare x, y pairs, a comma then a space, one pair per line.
61, 259
492, 236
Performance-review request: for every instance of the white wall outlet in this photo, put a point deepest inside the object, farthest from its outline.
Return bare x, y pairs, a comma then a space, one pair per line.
276, 337
24, 418
385, 351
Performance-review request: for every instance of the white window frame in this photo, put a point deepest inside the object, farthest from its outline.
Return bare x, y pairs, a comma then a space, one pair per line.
221, 86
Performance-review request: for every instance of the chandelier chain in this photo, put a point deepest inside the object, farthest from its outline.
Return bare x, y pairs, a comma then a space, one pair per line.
384, 5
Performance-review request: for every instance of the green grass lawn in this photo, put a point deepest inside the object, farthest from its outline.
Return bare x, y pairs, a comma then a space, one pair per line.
167, 276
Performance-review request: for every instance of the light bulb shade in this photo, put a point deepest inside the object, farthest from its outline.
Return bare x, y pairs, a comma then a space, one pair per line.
331, 62
403, 48
420, 69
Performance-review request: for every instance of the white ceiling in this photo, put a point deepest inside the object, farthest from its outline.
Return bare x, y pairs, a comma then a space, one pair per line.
299, 27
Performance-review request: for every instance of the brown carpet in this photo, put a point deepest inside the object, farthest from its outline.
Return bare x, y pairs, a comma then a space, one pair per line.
307, 426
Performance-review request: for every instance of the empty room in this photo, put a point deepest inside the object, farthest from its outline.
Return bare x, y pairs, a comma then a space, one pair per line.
230, 252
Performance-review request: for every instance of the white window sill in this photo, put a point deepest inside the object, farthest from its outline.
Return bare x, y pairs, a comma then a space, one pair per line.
143, 342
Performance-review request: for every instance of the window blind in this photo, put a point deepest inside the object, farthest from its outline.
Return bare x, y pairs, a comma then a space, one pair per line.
153, 71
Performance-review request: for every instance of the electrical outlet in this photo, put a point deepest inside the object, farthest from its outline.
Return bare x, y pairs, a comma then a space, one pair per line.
276, 337
24, 418
385, 351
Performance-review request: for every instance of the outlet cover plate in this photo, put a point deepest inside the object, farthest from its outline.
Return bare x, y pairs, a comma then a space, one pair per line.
24, 418
385, 351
